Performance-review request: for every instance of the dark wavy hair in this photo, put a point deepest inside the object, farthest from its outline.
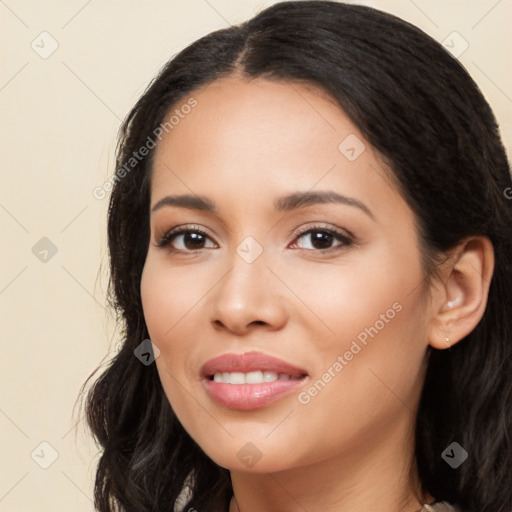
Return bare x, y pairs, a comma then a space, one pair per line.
420, 109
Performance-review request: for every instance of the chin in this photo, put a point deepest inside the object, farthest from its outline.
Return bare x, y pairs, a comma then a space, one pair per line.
251, 457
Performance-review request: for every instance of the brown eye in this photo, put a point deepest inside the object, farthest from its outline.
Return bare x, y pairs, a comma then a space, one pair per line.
187, 239
321, 239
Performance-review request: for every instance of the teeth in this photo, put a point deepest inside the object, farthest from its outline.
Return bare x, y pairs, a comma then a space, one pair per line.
268, 377
257, 377
253, 377
237, 378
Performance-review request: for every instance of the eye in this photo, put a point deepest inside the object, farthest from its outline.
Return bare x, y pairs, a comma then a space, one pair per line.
192, 238
321, 238
188, 239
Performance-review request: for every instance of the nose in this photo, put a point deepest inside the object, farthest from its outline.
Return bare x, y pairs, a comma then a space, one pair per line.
248, 296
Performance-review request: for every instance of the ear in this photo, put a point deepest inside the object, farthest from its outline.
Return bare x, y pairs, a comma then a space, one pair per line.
462, 297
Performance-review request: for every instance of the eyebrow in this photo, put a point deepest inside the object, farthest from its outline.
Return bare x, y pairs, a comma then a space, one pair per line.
289, 202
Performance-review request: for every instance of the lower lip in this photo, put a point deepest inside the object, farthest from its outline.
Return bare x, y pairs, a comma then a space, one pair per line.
246, 397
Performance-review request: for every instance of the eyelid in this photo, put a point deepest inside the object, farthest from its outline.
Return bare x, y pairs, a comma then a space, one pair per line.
322, 227
344, 236
165, 238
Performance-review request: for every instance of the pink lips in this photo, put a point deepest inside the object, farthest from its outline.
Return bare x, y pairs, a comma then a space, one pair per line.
249, 396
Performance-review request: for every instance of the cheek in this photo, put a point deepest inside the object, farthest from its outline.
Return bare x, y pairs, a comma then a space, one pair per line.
344, 299
154, 304
373, 335
370, 378
172, 302
165, 308
167, 296
166, 302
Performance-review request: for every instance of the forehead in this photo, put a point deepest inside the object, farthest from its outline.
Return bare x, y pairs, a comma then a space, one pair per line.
261, 137
254, 119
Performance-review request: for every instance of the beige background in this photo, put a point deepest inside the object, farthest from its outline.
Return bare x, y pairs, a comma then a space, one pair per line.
59, 118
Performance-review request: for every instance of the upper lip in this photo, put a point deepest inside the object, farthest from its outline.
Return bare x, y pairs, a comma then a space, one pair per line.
249, 362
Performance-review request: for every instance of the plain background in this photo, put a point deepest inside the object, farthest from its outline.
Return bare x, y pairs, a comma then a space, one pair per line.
59, 120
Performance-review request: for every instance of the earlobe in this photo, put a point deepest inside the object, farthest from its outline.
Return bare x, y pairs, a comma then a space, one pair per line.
464, 294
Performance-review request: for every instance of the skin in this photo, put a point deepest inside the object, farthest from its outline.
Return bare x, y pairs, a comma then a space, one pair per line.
245, 144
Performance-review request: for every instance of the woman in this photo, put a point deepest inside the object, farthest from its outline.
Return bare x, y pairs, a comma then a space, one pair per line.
310, 223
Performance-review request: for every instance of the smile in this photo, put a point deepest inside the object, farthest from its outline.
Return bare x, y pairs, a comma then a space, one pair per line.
251, 380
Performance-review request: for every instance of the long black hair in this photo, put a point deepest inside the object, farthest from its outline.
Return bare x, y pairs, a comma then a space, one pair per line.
420, 109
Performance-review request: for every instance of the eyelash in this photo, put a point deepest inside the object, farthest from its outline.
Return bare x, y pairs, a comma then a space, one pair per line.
168, 237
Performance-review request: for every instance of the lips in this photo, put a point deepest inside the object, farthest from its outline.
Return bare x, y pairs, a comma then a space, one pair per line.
246, 397
249, 362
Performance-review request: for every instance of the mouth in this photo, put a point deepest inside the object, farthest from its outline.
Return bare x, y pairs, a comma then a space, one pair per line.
255, 377
254, 367
251, 380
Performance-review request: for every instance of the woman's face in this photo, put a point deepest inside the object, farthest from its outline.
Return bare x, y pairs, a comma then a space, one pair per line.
342, 302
